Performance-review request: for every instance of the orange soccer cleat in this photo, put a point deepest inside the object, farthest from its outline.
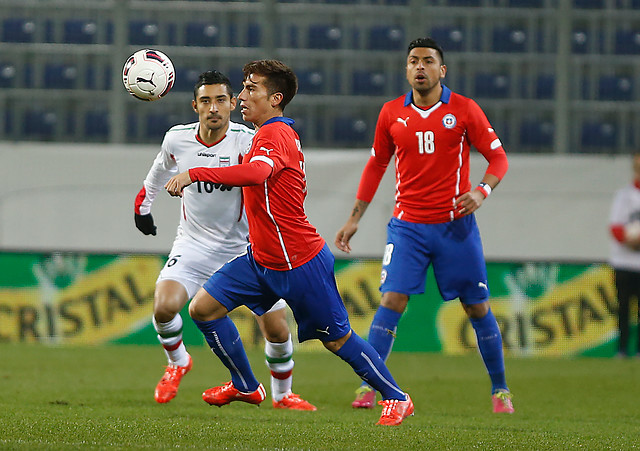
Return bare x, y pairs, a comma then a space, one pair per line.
501, 401
167, 388
224, 394
394, 411
293, 402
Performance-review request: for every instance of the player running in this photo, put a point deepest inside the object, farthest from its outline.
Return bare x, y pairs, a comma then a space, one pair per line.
287, 258
213, 229
430, 131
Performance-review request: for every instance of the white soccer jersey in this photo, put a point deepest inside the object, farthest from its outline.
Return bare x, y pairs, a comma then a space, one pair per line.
624, 210
212, 214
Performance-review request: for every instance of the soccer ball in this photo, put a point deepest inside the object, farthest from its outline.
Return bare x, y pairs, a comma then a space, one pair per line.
148, 74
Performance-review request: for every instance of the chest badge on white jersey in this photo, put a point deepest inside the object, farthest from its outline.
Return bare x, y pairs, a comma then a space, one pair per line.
449, 120
224, 161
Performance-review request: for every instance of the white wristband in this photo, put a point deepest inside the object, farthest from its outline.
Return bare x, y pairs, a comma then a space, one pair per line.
485, 189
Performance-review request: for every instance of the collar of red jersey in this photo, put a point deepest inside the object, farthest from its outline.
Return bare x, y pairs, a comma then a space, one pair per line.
444, 97
286, 120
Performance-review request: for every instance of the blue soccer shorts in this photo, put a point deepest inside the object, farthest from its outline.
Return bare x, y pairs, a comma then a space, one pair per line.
453, 248
310, 290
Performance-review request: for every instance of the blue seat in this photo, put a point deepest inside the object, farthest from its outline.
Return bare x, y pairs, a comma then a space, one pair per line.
18, 30
324, 37
158, 124
386, 38
611, 87
463, 2
204, 34
186, 78
369, 83
627, 42
598, 134
526, 3
450, 38
7, 75
80, 32
39, 124
545, 86
588, 4
96, 124
509, 40
536, 133
143, 33
351, 131
492, 85
582, 41
60, 76
311, 82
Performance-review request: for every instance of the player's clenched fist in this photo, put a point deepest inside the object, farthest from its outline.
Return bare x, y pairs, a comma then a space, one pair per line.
177, 183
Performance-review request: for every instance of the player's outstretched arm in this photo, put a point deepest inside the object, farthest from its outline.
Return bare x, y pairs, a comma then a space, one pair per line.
351, 226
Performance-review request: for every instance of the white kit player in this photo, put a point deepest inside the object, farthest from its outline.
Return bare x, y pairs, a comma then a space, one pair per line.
213, 229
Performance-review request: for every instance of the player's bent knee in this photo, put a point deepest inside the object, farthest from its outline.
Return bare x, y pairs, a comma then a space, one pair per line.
204, 307
335, 345
476, 311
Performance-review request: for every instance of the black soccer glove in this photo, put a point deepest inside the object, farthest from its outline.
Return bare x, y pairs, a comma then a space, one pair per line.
144, 223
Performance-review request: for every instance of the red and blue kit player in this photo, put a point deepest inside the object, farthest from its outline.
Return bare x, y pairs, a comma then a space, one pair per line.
286, 258
430, 131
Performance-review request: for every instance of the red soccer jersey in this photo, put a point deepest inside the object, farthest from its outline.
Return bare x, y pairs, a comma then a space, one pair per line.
281, 236
432, 154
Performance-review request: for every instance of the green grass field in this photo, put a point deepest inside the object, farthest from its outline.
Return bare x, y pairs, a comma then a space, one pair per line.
102, 398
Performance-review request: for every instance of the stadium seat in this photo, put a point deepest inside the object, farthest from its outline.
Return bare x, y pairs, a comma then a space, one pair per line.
536, 133
80, 32
39, 124
509, 40
96, 124
186, 78
158, 124
7, 75
204, 34
143, 33
311, 82
492, 85
18, 30
369, 83
627, 42
60, 76
450, 38
351, 131
583, 41
588, 4
526, 3
545, 86
386, 38
611, 87
598, 134
324, 37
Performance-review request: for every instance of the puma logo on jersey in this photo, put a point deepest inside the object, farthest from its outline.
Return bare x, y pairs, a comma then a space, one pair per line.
403, 121
483, 285
266, 150
325, 331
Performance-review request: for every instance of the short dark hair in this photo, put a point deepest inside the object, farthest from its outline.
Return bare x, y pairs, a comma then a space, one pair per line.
279, 78
212, 77
429, 43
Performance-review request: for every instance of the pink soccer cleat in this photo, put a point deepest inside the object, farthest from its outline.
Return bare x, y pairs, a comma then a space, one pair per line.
365, 398
501, 401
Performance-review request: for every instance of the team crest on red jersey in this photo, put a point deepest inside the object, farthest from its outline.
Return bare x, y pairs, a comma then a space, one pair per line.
449, 121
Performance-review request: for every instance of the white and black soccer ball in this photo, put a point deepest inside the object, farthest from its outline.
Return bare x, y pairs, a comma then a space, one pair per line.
148, 74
